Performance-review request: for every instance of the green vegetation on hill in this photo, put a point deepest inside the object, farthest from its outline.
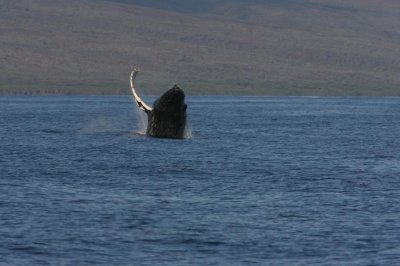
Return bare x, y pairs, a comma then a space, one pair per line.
235, 47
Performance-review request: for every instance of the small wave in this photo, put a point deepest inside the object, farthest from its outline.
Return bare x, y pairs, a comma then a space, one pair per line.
202, 242
52, 131
186, 241
139, 133
29, 249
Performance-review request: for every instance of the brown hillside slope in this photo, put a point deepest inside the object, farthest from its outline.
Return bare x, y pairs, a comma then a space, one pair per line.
312, 48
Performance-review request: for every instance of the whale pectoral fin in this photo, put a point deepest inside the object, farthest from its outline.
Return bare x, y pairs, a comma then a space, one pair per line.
142, 105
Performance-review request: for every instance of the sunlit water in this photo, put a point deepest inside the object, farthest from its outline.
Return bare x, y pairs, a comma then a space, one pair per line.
261, 181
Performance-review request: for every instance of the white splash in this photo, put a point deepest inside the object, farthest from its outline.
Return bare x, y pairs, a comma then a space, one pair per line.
188, 131
142, 122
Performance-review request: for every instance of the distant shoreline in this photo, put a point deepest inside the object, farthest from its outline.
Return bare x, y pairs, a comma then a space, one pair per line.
30, 94
204, 87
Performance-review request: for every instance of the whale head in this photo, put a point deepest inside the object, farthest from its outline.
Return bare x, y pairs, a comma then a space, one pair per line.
168, 117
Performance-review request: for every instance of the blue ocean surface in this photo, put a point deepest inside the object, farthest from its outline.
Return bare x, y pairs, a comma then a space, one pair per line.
257, 181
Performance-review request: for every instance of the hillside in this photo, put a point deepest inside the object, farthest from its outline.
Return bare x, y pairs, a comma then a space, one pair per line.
288, 47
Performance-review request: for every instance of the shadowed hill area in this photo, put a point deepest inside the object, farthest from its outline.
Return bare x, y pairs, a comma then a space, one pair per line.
288, 47
177, 5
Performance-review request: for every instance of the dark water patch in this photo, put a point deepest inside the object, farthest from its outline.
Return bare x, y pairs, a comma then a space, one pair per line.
52, 131
33, 250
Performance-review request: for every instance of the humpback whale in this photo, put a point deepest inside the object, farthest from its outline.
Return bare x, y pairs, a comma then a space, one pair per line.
167, 117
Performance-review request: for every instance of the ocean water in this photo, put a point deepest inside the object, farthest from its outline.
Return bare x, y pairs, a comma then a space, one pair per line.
258, 181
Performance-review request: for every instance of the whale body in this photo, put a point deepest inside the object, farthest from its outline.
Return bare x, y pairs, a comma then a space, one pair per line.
167, 117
